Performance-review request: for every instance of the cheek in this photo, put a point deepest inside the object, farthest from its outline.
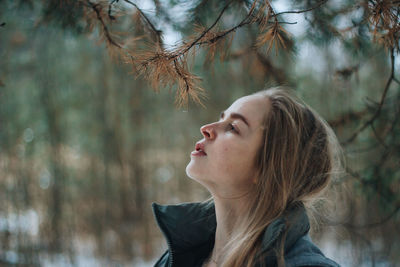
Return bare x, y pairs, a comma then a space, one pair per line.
225, 150
225, 158
233, 158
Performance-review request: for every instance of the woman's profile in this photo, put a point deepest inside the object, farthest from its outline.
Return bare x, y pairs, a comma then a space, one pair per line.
267, 158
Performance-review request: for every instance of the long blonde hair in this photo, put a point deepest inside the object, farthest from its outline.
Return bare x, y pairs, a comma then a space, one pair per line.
295, 162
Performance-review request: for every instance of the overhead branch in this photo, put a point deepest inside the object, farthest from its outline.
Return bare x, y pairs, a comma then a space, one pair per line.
143, 62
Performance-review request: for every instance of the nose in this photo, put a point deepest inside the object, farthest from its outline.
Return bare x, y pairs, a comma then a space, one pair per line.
208, 131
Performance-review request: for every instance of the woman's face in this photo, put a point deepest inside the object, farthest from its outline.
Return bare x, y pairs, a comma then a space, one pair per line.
228, 168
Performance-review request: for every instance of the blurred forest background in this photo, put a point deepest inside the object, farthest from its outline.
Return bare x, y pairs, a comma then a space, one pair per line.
101, 103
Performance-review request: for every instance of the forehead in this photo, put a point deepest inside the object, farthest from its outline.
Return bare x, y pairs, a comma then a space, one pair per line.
253, 107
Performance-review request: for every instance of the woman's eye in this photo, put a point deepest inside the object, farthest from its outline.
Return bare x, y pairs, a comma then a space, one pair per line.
232, 127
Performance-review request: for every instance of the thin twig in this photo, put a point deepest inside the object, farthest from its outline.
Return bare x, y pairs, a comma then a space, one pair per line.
109, 9
380, 141
100, 18
203, 33
347, 117
157, 32
224, 33
285, 22
301, 11
181, 75
364, 182
380, 106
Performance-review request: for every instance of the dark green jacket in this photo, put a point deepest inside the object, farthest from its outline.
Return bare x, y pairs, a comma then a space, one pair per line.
189, 229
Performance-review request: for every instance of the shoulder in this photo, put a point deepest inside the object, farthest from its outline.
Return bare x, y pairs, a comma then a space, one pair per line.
305, 253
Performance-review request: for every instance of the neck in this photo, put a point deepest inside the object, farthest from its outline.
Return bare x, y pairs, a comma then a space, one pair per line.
229, 213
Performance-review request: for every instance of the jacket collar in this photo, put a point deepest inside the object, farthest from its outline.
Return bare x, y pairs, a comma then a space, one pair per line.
189, 225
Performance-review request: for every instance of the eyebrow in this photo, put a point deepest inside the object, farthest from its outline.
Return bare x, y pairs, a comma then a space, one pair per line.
235, 115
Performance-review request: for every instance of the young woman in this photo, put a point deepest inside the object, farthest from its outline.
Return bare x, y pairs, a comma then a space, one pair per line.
267, 157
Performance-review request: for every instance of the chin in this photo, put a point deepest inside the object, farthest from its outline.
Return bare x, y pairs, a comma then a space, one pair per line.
189, 171
192, 173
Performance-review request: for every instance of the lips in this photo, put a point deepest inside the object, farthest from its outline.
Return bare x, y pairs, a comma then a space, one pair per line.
200, 148
198, 153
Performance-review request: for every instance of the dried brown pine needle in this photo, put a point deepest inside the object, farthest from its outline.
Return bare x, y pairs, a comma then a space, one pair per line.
390, 39
188, 88
187, 84
159, 70
165, 69
263, 15
384, 20
276, 36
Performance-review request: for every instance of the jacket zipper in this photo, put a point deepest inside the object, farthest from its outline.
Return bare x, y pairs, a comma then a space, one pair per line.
171, 252
171, 258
